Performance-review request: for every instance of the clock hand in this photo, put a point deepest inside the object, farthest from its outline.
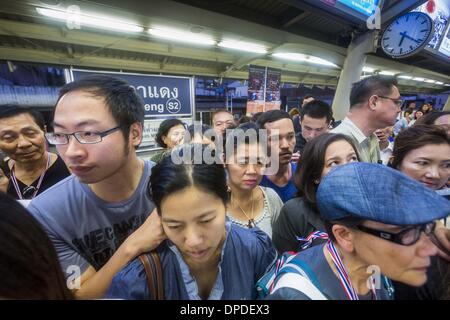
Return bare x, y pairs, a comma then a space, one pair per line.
411, 38
403, 34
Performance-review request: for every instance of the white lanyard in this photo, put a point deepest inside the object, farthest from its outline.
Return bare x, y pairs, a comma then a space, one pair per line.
41, 178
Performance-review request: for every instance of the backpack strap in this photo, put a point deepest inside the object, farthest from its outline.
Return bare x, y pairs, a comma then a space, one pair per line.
154, 275
299, 283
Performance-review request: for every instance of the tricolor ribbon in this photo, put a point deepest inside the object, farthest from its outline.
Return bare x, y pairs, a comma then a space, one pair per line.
313, 236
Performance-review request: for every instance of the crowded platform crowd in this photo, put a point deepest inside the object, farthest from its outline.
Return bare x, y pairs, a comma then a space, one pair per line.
271, 206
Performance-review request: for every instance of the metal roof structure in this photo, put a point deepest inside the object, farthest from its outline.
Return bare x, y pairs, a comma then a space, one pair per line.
27, 36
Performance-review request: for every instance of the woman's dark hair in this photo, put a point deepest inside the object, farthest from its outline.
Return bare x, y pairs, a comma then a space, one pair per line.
351, 222
311, 164
240, 135
416, 137
431, 117
184, 167
28, 262
164, 129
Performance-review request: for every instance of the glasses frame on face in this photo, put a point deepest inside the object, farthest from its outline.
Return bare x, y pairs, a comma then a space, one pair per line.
398, 102
428, 228
77, 135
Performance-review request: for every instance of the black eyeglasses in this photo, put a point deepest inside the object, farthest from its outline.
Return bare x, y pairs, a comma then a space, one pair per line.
398, 102
84, 137
407, 237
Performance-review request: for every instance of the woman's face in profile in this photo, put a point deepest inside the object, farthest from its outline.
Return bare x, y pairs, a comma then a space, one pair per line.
194, 220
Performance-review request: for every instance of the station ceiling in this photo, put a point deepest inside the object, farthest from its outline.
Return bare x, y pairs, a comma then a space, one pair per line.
27, 36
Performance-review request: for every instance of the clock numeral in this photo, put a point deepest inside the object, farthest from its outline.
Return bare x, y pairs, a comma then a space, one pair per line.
389, 30
423, 30
401, 50
386, 38
392, 50
407, 17
417, 16
424, 21
411, 47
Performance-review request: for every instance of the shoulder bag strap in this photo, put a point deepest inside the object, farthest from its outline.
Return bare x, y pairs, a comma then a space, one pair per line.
154, 274
159, 275
149, 275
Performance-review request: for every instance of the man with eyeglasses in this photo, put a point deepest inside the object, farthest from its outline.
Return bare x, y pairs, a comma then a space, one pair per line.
30, 169
374, 104
315, 119
101, 217
380, 226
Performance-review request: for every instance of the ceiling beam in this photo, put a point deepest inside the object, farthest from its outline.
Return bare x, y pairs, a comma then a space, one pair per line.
400, 7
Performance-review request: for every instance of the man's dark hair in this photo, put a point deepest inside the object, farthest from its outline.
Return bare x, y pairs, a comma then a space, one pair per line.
12, 110
317, 109
122, 100
272, 116
164, 129
308, 96
374, 85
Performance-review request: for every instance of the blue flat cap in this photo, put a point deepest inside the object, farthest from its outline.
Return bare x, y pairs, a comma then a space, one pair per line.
376, 192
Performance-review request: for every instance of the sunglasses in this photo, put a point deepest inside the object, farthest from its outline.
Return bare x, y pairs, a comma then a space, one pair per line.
406, 237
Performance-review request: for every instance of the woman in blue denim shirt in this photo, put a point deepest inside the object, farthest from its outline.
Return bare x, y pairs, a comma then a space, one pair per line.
205, 257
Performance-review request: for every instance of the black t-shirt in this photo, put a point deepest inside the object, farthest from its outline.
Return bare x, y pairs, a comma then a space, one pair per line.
54, 174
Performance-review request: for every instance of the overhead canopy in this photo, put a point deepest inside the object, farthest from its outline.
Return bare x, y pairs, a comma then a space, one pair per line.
279, 26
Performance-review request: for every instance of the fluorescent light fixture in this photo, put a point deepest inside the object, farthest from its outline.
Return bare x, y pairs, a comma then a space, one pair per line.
429, 81
439, 83
304, 58
405, 77
418, 79
447, 84
368, 69
243, 46
387, 73
91, 20
181, 36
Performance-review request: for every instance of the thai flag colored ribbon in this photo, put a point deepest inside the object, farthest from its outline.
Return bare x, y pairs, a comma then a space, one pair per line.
313, 236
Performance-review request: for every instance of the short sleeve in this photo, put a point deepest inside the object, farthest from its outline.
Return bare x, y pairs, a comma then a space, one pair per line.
290, 224
130, 283
68, 257
265, 253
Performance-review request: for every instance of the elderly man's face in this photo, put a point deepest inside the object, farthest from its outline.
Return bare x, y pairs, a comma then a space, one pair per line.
21, 138
222, 121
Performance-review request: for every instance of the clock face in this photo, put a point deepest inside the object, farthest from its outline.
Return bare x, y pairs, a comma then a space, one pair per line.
407, 34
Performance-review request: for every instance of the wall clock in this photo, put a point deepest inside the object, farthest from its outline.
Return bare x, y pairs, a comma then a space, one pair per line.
407, 34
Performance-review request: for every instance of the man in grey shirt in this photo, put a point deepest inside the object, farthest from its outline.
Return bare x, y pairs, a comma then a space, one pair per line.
99, 218
374, 104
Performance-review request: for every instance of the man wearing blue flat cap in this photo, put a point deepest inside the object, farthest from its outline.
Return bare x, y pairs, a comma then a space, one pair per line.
379, 223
